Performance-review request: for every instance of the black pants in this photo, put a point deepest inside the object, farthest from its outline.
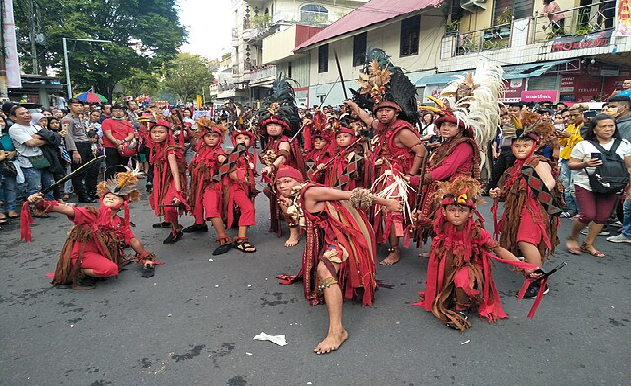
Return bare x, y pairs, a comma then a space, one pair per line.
503, 162
84, 183
113, 159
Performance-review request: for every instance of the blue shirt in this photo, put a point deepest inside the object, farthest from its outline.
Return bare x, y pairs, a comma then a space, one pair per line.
6, 142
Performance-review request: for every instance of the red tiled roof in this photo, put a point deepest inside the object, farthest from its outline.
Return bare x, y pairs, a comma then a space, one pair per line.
373, 12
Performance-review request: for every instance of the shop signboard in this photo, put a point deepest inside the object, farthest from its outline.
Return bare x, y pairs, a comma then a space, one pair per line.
539, 95
569, 43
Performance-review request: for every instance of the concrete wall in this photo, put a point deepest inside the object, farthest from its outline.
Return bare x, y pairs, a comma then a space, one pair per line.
387, 38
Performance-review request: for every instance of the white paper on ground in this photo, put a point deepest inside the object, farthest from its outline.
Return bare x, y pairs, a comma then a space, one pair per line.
277, 339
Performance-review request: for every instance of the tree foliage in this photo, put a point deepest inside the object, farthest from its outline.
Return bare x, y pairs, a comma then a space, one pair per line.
186, 75
144, 33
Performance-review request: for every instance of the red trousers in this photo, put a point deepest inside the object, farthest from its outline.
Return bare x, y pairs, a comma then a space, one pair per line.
170, 213
210, 206
246, 206
101, 265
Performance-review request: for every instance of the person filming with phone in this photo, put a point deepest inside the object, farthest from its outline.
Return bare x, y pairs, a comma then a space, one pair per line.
602, 165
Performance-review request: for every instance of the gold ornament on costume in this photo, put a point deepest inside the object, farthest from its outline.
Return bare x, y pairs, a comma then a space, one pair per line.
268, 157
273, 108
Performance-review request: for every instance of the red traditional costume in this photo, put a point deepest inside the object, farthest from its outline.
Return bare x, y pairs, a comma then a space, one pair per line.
164, 192
342, 234
94, 241
242, 190
205, 194
345, 171
280, 108
312, 156
462, 260
525, 218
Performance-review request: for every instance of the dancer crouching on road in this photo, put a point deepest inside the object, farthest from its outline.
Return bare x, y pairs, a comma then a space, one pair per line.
92, 248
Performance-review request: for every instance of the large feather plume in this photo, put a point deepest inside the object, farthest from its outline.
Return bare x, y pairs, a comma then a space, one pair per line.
281, 103
474, 99
380, 80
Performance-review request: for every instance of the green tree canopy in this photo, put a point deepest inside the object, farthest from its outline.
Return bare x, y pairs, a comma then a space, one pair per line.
144, 33
186, 75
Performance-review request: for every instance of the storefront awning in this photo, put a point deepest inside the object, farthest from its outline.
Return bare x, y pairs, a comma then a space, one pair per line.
519, 71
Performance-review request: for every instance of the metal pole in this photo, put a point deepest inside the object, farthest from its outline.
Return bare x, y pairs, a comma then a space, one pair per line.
68, 86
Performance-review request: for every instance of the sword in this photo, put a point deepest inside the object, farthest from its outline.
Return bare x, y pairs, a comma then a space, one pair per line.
74, 173
327, 163
339, 70
324, 100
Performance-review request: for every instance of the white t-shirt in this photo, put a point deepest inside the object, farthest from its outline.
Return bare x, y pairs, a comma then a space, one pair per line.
20, 134
583, 151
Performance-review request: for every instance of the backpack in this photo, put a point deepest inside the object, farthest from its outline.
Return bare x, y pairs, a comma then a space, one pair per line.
612, 176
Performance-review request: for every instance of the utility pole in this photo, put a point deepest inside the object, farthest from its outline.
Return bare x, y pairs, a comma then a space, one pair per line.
32, 37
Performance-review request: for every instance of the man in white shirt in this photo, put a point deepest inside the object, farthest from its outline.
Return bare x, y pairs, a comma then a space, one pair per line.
27, 143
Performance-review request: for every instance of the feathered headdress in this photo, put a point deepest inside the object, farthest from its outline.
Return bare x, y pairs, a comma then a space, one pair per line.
472, 101
385, 85
123, 184
206, 126
463, 191
280, 107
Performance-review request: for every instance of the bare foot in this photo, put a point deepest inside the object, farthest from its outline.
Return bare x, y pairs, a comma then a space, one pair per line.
424, 254
292, 241
392, 258
332, 342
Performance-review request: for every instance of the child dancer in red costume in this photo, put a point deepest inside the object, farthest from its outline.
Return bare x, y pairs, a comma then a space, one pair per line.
345, 170
528, 225
241, 190
206, 189
459, 271
169, 180
92, 248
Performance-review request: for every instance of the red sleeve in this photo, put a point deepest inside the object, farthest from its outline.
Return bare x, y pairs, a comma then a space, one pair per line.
82, 216
461, 154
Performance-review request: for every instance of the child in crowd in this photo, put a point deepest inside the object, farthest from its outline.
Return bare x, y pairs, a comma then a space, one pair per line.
169, 192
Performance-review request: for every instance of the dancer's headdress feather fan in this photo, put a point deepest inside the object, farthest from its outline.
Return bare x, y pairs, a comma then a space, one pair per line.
280, 107
383, 84
122, 184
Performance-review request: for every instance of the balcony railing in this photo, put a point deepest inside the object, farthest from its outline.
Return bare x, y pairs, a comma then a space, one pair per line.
262, 73
483, 39
576, 21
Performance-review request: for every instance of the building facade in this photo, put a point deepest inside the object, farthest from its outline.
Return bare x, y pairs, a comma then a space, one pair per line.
283, 24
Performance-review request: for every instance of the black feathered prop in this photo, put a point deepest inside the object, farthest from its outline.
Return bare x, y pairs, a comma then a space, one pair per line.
280, 107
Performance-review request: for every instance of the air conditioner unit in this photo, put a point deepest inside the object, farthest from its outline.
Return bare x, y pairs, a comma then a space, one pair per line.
473, 6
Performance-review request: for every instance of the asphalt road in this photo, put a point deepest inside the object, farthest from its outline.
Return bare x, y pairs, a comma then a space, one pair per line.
194, 322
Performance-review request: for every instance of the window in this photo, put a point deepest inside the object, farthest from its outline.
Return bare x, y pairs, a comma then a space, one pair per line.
323, 58
410, 32
519, 9
359, 49
315, 14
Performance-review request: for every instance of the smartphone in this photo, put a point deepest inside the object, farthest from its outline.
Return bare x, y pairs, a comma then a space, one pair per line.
597, 155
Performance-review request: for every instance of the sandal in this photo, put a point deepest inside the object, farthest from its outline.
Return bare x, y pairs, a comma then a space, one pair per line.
589, 248
13, 214
243, 244
224, 247
573, 250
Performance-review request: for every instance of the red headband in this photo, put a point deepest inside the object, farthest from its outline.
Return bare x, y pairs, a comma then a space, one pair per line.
389, 104
289, 172
346, 130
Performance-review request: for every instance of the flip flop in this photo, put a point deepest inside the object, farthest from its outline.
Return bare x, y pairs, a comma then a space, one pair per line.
589, 248
573, 250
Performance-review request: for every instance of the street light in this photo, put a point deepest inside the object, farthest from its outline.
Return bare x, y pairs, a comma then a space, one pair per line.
69, 87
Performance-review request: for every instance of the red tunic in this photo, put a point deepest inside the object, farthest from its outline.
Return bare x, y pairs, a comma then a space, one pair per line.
241, 192
163, 184
338, 227
388, 157
205, 195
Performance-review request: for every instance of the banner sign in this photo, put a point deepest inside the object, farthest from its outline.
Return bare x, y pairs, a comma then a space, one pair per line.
623, 18
540, 96
569, 43
10, 46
